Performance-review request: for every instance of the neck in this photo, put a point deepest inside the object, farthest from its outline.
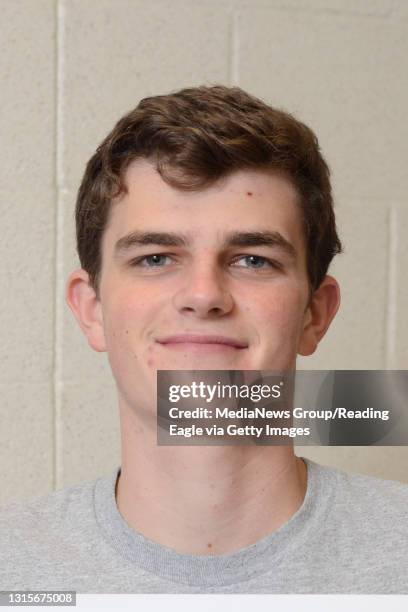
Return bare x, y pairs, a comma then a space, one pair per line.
205, 499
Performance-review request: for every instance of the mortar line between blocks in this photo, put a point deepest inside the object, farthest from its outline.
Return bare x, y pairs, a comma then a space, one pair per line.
391, 307
59, 234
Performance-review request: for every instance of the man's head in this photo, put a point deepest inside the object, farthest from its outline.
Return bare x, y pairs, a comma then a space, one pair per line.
204, 213
195, 137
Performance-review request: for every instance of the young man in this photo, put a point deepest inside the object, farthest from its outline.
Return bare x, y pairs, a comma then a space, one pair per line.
205, 230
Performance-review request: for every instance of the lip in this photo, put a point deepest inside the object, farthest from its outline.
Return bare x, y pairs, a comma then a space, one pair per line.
199, 339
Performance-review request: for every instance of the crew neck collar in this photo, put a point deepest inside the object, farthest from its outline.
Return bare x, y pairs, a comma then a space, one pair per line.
209, 570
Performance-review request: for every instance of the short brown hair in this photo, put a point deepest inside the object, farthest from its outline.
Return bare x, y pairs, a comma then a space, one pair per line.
196, 136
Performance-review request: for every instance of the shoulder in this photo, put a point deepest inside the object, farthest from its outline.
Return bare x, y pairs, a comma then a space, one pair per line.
370, 501
54, 540
28, 529
53, 504
391, 494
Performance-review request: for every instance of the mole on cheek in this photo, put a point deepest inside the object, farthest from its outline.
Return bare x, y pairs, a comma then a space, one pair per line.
249, 193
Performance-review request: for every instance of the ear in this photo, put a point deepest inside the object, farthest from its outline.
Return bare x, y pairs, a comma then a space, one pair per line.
84, 303
320, 312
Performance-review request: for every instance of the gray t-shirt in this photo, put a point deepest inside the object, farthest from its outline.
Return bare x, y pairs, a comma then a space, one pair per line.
349, 536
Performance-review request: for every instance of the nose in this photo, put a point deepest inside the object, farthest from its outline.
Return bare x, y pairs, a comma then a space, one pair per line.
204, 291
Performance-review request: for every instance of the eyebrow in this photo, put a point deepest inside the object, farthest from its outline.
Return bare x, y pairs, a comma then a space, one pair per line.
231, 239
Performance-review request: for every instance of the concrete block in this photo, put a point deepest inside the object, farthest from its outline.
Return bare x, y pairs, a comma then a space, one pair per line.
27, 194
26, 441
88, 439
345, 76
116, 53
399, 11
376, 8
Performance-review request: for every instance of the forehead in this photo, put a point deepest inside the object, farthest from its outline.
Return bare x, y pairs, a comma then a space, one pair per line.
245, 199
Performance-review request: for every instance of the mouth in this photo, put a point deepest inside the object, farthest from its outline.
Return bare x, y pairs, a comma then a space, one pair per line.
202, 344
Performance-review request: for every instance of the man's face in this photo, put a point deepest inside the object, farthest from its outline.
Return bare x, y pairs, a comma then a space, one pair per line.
212, 275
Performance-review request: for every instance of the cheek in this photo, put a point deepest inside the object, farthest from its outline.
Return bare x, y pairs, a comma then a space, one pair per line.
281, 314
122, 325
130, 324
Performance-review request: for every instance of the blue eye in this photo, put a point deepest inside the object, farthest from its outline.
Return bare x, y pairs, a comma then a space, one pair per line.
140, 261
258, 259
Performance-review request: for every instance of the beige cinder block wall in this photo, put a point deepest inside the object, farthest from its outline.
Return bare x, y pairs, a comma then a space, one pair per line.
69, 69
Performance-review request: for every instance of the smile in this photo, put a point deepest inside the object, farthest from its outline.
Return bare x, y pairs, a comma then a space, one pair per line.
199, 343
201, 347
